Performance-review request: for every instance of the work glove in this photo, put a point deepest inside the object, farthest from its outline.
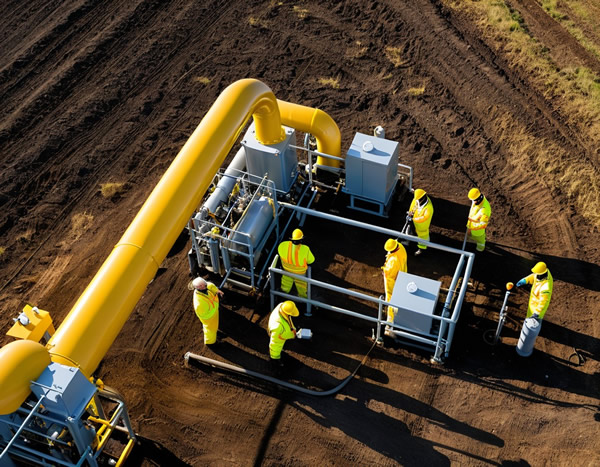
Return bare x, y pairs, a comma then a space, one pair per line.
298, 333
521, 283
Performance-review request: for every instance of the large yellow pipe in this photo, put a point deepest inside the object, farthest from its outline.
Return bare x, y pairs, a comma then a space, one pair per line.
97, 317
317, 123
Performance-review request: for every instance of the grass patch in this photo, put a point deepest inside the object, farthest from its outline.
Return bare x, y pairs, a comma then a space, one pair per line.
358, 50
302, 13
575, 92
331, 82
80, 223
394, 55
2, 250
414, 92
257, 22
108, 190
202, 80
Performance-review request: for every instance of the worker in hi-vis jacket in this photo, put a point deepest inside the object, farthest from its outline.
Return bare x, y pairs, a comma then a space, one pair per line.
281, 329
542, 284
206, 306
479, 216
421, 212
395, 261
295, 258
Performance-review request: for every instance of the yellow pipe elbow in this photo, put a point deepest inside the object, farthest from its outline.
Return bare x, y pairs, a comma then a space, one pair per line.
317, 123
22, 361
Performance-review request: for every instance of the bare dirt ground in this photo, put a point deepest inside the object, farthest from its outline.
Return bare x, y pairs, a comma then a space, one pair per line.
100, 92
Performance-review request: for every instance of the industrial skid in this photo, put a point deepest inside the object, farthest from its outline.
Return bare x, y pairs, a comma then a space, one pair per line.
53, 411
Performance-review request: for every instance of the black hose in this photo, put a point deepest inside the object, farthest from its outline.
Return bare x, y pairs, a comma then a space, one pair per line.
294, 387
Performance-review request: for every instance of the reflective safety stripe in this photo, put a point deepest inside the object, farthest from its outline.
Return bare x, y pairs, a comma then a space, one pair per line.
292, 262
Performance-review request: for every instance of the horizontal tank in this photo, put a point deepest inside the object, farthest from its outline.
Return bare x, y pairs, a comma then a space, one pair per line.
251, 228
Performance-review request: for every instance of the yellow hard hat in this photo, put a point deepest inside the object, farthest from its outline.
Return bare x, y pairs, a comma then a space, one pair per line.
419, 193
297, 235
474, 193
539, 268
289, 308
390, 244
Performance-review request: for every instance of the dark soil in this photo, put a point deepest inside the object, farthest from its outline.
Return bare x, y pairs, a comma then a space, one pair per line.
100, 92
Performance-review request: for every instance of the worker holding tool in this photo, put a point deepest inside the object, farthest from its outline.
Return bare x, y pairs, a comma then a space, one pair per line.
206, 306
295, 258
421, 212
479, 216
542, 283
395, 261
281, 328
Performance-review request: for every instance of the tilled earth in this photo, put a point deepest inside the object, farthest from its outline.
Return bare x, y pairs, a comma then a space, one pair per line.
108, 92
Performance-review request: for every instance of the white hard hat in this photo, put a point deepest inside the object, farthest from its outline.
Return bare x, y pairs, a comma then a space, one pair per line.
199, 284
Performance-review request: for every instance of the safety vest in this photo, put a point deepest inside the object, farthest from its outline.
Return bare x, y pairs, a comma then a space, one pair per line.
295, 258
541, 292
206, 302
421, 214
280, 325
479, 215
395, 262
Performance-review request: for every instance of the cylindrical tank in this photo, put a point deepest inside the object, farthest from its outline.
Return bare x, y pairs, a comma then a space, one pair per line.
253, 224
530, 330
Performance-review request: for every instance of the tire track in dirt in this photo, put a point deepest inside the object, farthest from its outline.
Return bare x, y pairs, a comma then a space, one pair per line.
477, 77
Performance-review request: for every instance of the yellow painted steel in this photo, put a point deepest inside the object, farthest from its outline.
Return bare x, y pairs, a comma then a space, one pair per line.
317, 123
39, 324
20, 362
95, 320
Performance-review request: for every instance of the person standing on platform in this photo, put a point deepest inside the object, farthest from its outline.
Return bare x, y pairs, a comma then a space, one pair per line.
421, 212
395, 261
295, 258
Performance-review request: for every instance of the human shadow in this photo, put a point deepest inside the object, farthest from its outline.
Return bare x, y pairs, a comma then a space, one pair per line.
354, 402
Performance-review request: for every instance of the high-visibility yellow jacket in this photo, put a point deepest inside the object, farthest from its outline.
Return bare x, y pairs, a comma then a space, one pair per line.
206, 302
479, 215
295, 258
395, 262
281, 328
541, 292
421, 214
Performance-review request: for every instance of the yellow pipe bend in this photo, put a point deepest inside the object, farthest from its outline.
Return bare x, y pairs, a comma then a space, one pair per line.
97, 317
317, 123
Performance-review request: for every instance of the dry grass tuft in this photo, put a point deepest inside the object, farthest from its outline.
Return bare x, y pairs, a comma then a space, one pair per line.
301, 12
575, 92
257, 22
202, 80
331, 82
394, 55
2, 250
414, 92
358, 50
108, 190
80, 223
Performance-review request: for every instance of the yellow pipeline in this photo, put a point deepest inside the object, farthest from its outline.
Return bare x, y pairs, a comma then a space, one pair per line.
317, 123
97, 317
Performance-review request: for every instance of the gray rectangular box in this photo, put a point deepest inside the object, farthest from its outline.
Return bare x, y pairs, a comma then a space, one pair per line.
415, 293
371, 167
278, 161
